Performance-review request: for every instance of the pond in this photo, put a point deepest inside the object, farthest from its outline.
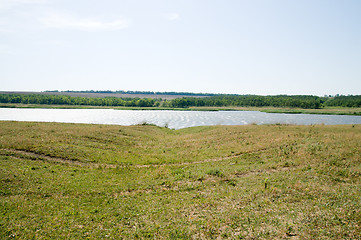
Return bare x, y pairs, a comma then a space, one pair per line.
172, 119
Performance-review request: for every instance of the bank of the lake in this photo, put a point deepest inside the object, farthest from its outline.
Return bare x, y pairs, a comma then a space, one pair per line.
325, 110
74, 181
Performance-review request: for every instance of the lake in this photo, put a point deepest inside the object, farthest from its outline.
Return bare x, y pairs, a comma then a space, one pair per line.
172, 119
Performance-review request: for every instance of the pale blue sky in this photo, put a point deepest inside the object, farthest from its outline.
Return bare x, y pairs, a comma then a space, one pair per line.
219, 46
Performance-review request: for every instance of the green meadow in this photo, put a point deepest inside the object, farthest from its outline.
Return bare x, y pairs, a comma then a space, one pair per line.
79, 181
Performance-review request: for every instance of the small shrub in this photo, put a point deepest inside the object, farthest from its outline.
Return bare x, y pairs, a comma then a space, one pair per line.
147, 124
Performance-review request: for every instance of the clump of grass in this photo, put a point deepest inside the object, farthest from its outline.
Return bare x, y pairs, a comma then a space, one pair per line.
215, 172
231, 182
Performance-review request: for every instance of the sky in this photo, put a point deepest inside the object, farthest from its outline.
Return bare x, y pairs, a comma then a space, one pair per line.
263, 47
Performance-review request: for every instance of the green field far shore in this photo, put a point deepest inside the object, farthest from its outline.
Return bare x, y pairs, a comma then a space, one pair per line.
84, 181
326, 110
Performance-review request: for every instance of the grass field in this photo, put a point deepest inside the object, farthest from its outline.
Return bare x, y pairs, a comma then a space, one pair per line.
83, 181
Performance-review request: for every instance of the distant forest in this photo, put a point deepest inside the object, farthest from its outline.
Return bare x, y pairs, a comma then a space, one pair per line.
69, 100
294, 101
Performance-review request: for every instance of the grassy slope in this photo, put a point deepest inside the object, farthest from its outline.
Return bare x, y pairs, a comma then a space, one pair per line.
99, 181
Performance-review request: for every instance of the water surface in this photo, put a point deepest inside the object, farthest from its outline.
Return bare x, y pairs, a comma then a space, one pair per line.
172, 119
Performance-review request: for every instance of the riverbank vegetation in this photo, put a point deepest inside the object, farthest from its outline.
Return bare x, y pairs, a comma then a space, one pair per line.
279, 101
228, 182
82, 101
293, 101
324, 110
355, 111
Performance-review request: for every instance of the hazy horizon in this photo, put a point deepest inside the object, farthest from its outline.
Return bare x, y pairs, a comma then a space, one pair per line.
117, 91
233, 47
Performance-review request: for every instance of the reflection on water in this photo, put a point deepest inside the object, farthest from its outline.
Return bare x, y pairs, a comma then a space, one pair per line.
173, 119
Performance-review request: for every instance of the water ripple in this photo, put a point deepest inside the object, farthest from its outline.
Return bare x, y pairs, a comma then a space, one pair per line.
172, 119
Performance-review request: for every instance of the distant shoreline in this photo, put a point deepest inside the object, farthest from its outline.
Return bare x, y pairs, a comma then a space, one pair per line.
138, 100
323, 111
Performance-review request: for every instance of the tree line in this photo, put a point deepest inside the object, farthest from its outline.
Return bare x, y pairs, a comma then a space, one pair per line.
344, 101
69, 100
294, 101
299, 101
